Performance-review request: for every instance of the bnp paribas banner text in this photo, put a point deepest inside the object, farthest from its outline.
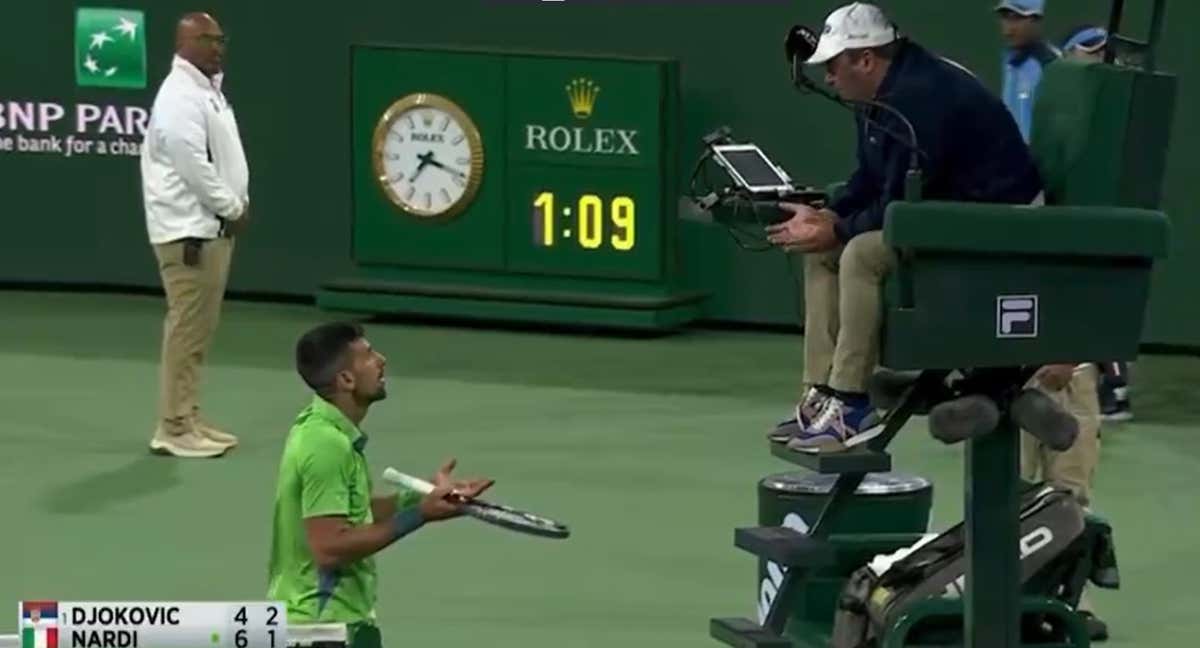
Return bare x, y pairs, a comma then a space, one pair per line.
107, 65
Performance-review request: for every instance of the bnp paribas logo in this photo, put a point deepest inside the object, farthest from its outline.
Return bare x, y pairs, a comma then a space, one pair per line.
110, 48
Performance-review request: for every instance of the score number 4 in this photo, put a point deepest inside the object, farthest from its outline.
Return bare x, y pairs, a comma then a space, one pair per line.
240, 640
591, 220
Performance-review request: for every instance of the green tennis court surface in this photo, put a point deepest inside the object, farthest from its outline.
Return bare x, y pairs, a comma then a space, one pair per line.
649, 448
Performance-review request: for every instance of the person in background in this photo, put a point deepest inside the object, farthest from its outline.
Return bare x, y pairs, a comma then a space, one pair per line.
1087, 44
1027, 55
1075, 387
195, 186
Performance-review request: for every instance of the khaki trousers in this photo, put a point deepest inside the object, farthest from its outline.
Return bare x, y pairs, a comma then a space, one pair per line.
843, 312
1075, 467
194, 296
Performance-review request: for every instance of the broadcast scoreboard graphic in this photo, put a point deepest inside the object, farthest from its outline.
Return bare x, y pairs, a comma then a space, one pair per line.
150, 624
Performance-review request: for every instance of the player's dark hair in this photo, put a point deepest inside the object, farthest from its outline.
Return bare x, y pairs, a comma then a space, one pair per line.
321, 353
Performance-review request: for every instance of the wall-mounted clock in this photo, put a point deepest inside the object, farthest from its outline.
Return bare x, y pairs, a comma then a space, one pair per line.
427, 156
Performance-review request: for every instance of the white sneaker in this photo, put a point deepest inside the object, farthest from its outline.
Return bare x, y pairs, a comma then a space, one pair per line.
188, 445
213, 433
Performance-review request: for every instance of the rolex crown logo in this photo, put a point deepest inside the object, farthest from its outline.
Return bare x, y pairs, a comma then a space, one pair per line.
582, 93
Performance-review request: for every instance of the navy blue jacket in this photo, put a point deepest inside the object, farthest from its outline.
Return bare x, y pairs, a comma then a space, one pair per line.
973, 149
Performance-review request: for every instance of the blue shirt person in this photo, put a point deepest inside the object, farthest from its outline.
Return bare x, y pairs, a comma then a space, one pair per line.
1027, 55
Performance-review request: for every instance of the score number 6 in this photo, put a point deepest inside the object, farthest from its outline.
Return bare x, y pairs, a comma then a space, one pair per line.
240, 640
591, 211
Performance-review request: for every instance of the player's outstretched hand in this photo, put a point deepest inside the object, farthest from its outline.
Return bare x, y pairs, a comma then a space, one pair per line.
448, 495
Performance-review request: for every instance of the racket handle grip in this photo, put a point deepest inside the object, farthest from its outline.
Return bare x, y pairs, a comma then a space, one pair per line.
407, 481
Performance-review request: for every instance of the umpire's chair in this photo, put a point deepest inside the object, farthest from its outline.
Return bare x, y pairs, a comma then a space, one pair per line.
983, 295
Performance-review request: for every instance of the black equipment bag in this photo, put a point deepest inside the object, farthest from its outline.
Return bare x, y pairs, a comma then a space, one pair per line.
1056, 559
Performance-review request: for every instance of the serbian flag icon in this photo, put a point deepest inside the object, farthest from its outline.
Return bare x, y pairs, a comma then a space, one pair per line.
39, 624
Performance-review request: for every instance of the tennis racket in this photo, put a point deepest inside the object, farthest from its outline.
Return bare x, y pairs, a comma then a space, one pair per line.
502, 516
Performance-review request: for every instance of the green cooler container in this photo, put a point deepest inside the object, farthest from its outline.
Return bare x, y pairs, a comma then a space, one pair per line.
888, 511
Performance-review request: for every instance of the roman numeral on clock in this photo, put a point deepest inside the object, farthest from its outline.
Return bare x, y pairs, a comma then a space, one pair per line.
445, 195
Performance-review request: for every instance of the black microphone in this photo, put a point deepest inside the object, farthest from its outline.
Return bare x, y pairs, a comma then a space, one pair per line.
1041, 416
966, 417
799, 45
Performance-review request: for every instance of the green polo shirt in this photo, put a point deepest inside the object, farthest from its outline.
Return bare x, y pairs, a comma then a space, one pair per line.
323, 472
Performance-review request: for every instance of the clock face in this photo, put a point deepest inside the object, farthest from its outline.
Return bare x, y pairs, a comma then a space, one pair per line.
428, 156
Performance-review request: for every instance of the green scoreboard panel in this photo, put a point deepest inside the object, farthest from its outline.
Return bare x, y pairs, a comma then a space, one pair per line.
510, 185
576, 184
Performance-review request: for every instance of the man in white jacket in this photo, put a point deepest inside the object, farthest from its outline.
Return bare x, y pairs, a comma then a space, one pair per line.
195, 185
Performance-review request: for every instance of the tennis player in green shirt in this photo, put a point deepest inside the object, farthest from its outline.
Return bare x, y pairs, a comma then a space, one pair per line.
327, 524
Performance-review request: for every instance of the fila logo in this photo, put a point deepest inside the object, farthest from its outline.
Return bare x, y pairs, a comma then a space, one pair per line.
1017, 316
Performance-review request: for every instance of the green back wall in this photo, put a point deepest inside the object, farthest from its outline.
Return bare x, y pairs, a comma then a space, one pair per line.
79, 219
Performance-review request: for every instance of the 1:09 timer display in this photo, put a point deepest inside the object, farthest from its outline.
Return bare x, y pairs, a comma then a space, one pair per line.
588, 221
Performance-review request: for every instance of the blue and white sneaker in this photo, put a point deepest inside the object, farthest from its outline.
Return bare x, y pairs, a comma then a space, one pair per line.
806, 410
840, 425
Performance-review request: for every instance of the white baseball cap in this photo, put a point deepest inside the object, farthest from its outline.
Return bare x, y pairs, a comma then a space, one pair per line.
1025, 8
854, 26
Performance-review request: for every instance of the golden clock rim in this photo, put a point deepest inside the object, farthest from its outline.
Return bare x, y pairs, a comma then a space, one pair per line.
474, 142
